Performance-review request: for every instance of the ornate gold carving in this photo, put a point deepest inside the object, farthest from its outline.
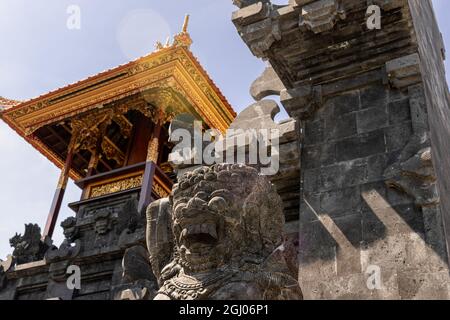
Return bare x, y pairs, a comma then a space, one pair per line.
160, 191
116, 186
63, 179
173, 69
89, 129
183, 39
192, 74
160, 188
153, 150
126, 127
127, 183
112, 152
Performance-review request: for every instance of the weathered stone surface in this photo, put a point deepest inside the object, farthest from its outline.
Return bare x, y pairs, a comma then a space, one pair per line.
218, 215
387, 4
7, 264
301, 102
245, 3
437, 98
356, 128
70, 247
138, 281
267, 84
415, 177
321, 15
405, 71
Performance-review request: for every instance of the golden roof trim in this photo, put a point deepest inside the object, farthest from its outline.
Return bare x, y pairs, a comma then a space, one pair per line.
172, 67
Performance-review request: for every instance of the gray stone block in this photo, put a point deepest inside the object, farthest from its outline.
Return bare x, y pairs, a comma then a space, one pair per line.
340, 126
267, 84
319, 155
342, 202
342, 175
373, 96
399, 111
314, 132
372, 119
361, 146
397, 137
345, 103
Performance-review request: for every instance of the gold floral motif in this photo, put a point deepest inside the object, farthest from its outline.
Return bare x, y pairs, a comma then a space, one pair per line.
153, 153
126, 127
112, 152
89, 129
116, 186
127, 184
171, 70
160, 191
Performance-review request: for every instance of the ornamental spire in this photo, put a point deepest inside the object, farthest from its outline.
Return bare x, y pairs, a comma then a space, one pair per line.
183, 39
185, 24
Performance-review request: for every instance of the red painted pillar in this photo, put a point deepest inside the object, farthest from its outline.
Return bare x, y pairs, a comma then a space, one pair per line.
59, 194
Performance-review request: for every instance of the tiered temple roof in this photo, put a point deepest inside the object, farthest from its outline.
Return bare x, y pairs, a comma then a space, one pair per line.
110, 131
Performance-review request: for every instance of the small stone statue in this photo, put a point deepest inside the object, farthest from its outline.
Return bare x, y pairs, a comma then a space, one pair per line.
70, 247
29, 247
225, 225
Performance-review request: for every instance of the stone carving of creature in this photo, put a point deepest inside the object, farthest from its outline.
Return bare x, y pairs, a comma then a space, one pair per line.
71, 245
219, 237
103, 221
29, 247
70, 230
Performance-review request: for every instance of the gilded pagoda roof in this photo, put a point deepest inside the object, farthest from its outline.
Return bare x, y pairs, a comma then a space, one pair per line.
170, 68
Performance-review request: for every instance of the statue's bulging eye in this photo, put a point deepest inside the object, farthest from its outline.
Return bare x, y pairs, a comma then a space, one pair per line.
218, 204
179, 210
202, 195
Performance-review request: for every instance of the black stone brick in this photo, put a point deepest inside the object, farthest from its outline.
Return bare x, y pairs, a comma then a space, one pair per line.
343, 175
372, 119
399, 111
341, 126
361, 146
398, 136
314, 132
346, 103
373, 97
340, 203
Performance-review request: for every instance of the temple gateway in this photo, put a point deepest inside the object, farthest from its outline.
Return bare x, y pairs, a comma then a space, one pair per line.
358, 207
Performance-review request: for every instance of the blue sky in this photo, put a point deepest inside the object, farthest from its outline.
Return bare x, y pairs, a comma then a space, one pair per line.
38, 53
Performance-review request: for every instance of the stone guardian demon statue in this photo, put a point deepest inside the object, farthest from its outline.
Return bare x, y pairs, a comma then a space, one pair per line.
219, 237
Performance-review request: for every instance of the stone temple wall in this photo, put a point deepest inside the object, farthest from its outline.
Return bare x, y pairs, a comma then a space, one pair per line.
373, 175
432, 51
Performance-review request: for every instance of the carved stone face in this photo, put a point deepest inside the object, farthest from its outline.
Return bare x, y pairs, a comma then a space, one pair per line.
199, 229
101, 226
219, 215
70, 230
103, 221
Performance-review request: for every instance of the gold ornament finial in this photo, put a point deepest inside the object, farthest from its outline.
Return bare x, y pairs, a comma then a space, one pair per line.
183, 39
167, 42
185, 24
